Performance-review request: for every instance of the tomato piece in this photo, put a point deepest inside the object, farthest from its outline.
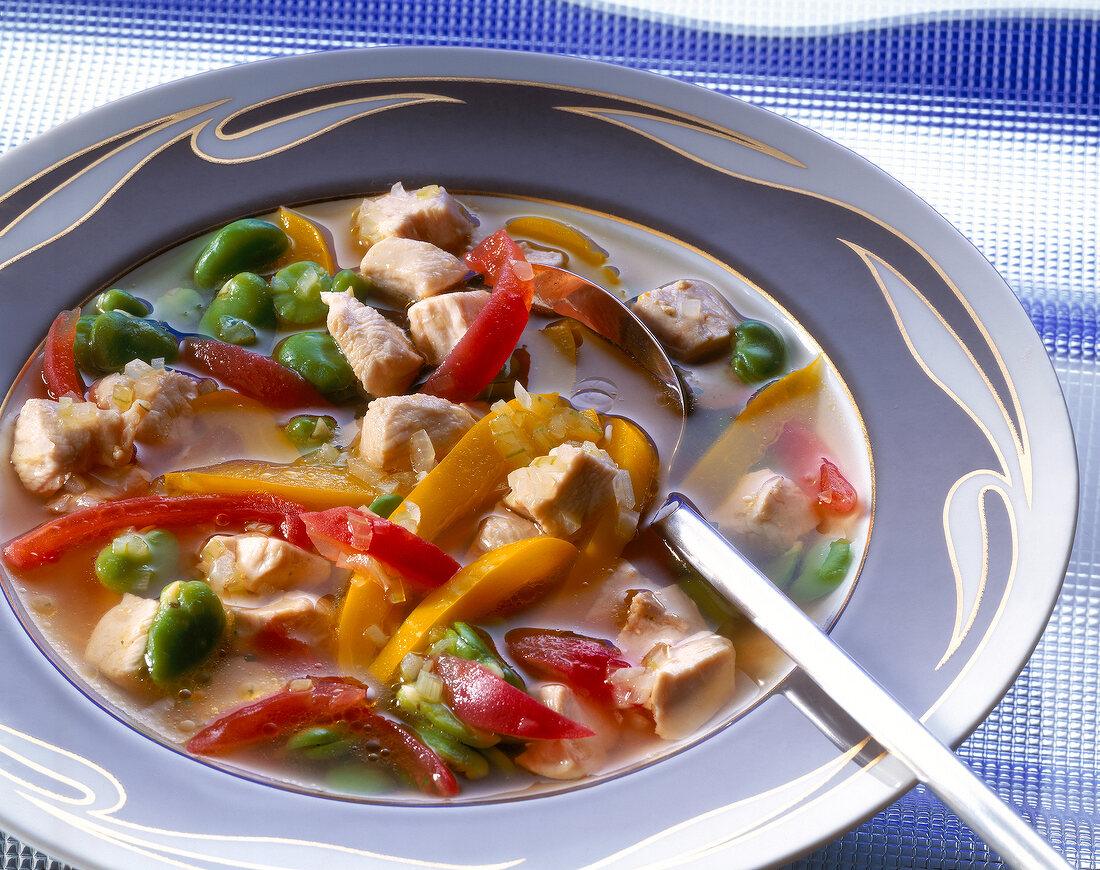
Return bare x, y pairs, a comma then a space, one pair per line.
251, 373
582, 662
324, 701
482, 699
59, 369
51, 540
834, 493
347, 531
492, 337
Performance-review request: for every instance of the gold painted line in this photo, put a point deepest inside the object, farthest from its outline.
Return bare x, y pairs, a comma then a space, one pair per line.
75, 784
691, 124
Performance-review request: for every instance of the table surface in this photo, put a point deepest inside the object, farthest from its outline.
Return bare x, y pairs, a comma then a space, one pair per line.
992, 116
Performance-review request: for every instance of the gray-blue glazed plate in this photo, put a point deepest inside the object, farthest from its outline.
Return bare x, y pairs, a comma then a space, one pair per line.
973, 509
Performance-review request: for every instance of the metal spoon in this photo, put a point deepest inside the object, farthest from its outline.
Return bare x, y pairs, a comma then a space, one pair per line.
739, 582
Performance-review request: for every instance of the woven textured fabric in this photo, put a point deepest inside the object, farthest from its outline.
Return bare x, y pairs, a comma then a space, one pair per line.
993, 119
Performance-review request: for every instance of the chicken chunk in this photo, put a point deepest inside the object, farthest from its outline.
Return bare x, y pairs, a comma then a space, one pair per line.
766, 512
254, 564
561, 490
409, 270
116, 646
499, 529
150, 399
688, 317
439, 322
387, 428
570, 758
301, 617
429, 214
379, 352
681, 686
55, 440
86, 490
666, 616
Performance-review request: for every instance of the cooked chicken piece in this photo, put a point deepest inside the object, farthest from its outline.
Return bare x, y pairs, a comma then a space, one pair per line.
117, 644
570, 759
410, 270
766, 512
379, 352
666, 616
688, 317
499, 529
109, 484
54, 440
386, 430
562, 489
437, 323
255, 564
681, 686
429, 214
296, 616
150, 399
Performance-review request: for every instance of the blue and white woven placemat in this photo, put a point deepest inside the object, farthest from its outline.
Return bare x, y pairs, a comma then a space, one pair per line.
988, 110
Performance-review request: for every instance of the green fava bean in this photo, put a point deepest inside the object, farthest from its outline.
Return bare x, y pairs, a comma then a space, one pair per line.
82, 344
759, 352
116, 338
297, 290
318, 359
187, 628
120, 300
322, 742
824, 567
243, 299
135, 563
308, 432
349, 279
386, 504
248, 245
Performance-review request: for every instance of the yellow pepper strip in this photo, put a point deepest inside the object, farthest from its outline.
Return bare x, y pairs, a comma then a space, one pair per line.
559, 235
363, 615
307, 241
493, 583
797, 395
631, 449
472, 472
317, 487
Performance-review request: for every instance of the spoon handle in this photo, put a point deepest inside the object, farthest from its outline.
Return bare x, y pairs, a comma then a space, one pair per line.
933, 763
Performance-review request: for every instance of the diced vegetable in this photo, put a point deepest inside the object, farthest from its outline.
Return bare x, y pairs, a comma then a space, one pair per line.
188, 627
296, 290
467, 642
310, 431
115, 339
307, 241
759, 352
316, 357
244, 298
491, 584
248, 245
824, 566
135, 562
365, 613
120, 300
482, 699
251, 373
386, 504
834, 493
581, 662
348, 279
59, 366
49, 541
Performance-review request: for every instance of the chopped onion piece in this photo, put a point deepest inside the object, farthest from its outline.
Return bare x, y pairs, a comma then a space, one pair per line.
375, 635
421, 452
429, 686
303, 684
410, 667
522, 396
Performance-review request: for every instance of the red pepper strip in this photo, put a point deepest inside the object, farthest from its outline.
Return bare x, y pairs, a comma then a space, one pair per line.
834, 493
492, 337
279, 715
251, 373
327, 700
582, 662
59, 369
482, 699
347, 531
49, 541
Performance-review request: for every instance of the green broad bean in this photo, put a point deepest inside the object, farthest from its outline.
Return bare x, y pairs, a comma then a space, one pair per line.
440, 717
759, 352
349, 279
359, 778
248, 245
188, 627
465, 759
114, 339
120, 300
322, 742
318, 359
465, 641
386, 504
181, 305
296, 290
781, 569
82, 344
308, 431
136, 563
824, 567
245, 299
